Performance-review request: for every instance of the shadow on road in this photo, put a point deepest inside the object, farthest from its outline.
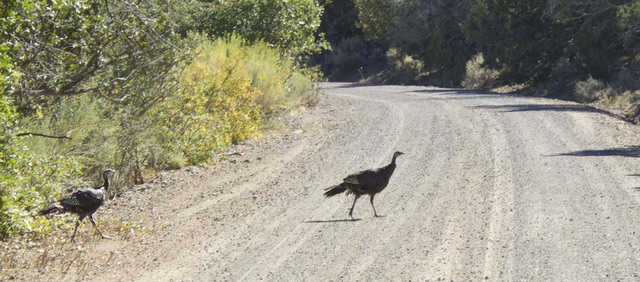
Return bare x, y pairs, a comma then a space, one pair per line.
630, 152
539, 108
459, 94
338, 85
332, 220
456, 91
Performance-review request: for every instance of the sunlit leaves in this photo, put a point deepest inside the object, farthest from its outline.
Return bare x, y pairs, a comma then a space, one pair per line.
290, 25
215, 105
119, 77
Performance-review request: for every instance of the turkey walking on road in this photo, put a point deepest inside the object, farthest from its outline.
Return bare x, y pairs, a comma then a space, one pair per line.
83, 202
369, 182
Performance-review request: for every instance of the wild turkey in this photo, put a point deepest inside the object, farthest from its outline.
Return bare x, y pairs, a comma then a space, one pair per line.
83, 202
369, 182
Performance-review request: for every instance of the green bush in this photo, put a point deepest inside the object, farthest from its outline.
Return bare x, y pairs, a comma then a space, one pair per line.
591, 90
281, 82
225, 92
223, 95
124, 91
215, 105
404, 69
289, 25
477, 76
28, 179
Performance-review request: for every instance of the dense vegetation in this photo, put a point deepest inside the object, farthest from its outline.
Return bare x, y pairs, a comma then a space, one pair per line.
138, 86
547, 46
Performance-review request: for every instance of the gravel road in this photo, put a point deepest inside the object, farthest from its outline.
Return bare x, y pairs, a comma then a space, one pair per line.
491, 187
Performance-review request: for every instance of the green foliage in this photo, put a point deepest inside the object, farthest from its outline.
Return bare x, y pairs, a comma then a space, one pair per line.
524, 52
282, 84
91, 124
628, 15
114, 49
90, 70
27, 178
623, 93
548, 45
629, 25
477, 76
590, 90
428, 31
225, 92
8, 166
32, 181
338, 21
56, 57
375, 17
121, 82
290, 25
403, 68
215, 106
8, 145
573, 39
351, 57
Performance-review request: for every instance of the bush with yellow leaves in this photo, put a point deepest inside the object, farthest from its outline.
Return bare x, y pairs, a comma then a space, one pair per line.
215, 106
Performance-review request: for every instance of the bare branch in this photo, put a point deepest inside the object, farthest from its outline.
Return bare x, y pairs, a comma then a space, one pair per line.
30, 134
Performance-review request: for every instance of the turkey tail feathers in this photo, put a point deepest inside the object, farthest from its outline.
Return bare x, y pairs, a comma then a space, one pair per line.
335, 190
55, 208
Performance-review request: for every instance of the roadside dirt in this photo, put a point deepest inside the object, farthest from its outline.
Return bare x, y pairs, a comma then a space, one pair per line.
491, 187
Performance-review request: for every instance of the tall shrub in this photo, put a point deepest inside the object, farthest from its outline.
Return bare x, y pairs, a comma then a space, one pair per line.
215, 105
290, 25
477, 75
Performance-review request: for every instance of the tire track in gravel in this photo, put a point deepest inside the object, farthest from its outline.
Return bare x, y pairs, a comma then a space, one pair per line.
464, 206
560, 205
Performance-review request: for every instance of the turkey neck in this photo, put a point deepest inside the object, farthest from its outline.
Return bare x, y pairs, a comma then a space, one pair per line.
392, 166
106, 181
393, 161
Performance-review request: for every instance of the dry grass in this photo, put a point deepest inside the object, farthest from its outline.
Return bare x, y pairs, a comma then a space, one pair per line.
504, 89
620, 97
34, 257
625, 104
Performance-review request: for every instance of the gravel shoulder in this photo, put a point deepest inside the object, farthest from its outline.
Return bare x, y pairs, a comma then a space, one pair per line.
491, 186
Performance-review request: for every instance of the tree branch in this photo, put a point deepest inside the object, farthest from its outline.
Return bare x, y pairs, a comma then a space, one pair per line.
42, 135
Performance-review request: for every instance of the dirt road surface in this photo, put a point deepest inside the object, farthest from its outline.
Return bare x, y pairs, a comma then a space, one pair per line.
491, 187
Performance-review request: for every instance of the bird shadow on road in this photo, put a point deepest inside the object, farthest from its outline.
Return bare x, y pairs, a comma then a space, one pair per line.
630, 152
332, 220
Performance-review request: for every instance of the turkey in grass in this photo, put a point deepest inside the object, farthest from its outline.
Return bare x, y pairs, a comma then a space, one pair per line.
83, 202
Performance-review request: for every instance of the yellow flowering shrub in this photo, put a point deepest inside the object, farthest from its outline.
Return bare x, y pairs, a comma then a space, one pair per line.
215, 106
